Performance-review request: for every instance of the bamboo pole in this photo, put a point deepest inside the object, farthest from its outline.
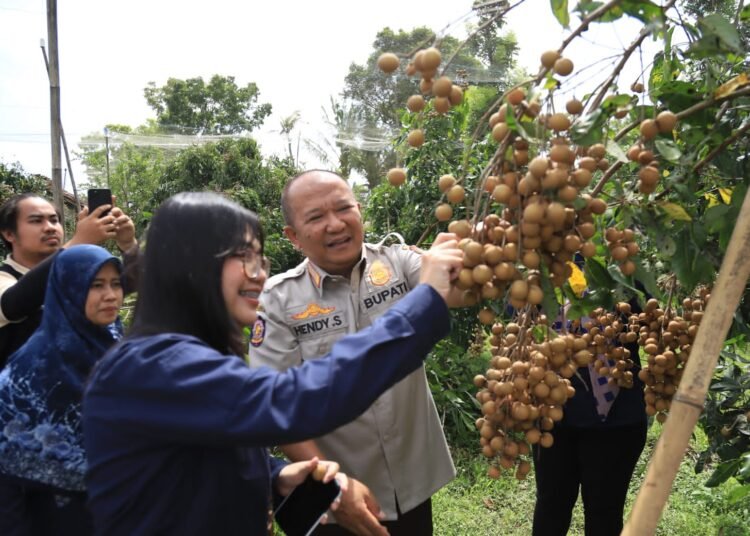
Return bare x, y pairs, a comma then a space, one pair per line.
687, 403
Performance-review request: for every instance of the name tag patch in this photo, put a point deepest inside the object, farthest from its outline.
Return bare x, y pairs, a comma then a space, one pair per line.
319, 325
386, 295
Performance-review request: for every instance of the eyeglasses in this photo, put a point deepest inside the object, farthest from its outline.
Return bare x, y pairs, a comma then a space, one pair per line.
252, 263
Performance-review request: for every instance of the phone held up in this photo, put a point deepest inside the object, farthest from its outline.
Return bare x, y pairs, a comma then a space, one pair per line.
301, 511
98, 197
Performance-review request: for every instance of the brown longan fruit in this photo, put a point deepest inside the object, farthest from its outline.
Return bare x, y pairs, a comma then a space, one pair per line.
574, 106
648, 128
666, 121
445, 182
388, 62
515, 96
442, 87
455, 194
500, 131
415, 138
558, 122
549, 58
444, 212
563, 66
456, 96
396, 176
431, 58
441, 105
415, 103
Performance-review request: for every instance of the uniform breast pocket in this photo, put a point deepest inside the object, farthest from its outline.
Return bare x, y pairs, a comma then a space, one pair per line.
319, 346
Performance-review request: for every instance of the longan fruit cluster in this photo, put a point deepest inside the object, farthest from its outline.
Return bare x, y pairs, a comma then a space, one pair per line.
622, 247
648, 175
523, 392
667, 339
606, 334
445, 94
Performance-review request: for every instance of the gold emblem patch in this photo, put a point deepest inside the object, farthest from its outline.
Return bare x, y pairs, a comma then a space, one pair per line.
379, 274
313, 310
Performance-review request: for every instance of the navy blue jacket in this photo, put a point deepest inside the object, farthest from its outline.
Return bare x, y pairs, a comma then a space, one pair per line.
175, 432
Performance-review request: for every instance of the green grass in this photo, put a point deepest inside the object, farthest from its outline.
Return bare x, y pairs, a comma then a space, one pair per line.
477, 505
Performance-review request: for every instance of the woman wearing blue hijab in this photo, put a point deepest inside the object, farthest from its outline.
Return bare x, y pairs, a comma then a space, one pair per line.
42, 462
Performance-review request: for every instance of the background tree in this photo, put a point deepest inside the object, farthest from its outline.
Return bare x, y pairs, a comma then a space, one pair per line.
486, 60
219, 107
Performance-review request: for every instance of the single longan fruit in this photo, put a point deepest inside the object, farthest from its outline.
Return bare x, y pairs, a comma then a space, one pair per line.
666, 121
388, 62
500, 131
455, 194
563, 66
396, 176
442, 87
444, 212
446, 182
549, 58
516, 96
558, 122
415, 103
456, 96
574, 106
431, 58
441, 104
649, 130
319, 472
415, 138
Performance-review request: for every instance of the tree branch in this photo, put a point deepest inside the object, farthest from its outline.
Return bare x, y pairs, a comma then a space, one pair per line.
726, 143
473, 34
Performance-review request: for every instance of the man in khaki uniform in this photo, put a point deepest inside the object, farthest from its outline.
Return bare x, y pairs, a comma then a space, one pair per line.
395, 453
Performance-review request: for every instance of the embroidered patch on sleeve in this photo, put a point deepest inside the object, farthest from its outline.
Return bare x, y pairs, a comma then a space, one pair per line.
259, 332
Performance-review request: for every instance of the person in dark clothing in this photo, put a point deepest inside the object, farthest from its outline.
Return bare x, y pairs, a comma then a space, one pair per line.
30, 228
176, 424
42, 461
596, 447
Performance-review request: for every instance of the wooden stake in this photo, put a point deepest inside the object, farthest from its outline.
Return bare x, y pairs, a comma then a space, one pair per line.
687, 403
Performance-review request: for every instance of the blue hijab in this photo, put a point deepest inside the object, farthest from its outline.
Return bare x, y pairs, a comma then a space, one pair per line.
42, 384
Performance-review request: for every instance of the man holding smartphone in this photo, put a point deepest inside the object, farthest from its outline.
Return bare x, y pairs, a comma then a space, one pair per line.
30, 227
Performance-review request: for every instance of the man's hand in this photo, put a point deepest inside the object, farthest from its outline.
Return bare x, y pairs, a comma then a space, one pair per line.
441, 264
93, 228
359, 511
124, 230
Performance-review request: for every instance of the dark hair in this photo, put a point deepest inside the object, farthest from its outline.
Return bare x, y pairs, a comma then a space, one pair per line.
179, 287
9, 215
286, 210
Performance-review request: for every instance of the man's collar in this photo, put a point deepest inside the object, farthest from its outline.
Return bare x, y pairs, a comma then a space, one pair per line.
318, 275
15, 265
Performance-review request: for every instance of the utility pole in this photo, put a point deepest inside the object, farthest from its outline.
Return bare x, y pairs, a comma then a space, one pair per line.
54, 104
62, 135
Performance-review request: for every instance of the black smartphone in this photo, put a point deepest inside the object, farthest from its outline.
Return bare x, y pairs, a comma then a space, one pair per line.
98, 197
301, 511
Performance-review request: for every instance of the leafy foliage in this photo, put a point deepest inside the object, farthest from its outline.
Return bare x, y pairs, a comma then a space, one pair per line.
219, 107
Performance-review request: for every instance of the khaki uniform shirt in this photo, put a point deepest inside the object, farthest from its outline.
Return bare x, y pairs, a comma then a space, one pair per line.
7, 281
397, 447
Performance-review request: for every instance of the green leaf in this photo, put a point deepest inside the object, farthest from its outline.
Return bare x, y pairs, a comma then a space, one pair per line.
597, 275
668, 149
722, 472
745, 14
647, 279
588, 130
560, 9
738, 494
613, 149
744, 472
675, 211
643, 10
550, 306
718, 35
